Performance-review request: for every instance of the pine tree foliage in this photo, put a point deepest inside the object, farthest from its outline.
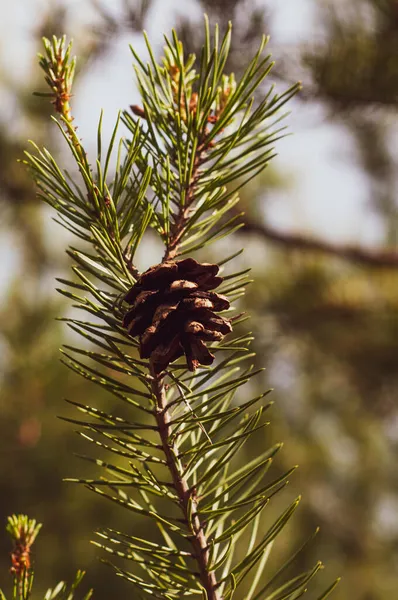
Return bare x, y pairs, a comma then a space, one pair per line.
196, 138
23, 532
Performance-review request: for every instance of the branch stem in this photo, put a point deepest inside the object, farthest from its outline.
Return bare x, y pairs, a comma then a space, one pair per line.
186, 494
185, 210
351, 253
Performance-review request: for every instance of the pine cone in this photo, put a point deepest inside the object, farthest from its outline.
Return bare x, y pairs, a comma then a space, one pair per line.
173, 313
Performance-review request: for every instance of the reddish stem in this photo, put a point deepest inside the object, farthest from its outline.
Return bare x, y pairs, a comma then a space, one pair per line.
186, 495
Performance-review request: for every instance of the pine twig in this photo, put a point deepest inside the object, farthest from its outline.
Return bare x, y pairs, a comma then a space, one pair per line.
185, 209
186, 495
59, 71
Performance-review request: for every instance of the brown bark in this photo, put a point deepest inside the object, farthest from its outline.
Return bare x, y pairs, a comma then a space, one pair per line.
186, 495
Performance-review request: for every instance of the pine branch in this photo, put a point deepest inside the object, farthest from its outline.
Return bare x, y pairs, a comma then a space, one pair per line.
186, 495
59, 73
196, 135
182, 217
355, 254
23, 532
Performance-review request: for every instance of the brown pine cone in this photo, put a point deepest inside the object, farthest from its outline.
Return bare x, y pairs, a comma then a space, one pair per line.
173, 312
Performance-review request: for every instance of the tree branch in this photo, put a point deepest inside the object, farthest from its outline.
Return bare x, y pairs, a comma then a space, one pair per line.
185, 211
186, 495
369, 258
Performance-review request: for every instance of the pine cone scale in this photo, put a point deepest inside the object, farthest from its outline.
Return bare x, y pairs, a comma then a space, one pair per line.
197, 353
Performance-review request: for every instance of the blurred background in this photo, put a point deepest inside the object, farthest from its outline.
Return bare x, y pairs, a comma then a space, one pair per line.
320, 233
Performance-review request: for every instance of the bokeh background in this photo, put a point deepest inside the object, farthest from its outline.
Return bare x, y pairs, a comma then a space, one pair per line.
320, 233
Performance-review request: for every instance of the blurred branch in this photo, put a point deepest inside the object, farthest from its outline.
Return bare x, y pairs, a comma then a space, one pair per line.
370, 258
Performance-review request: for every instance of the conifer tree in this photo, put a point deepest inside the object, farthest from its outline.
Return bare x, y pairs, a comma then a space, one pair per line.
166, 342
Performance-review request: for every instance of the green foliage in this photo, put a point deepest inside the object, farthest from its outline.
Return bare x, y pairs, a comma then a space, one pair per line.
22, 529
170, 452
23, 532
